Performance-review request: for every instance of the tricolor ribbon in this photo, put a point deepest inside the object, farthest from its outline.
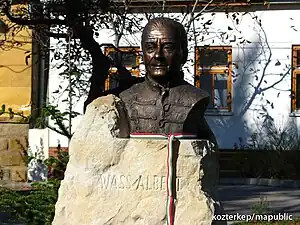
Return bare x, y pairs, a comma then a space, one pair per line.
170, 206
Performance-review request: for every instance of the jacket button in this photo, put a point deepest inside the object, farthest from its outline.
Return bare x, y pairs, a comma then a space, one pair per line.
166, 107
161, 123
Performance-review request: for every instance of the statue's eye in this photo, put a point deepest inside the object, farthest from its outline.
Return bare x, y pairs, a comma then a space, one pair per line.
150, 48
170, 47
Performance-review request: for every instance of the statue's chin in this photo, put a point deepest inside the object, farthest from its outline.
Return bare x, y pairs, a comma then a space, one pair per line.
158, 73
158, 76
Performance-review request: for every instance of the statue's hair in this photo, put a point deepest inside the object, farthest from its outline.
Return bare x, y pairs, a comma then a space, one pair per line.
172, 24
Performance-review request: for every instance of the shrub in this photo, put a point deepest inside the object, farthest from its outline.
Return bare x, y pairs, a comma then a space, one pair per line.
275, 155
36, 206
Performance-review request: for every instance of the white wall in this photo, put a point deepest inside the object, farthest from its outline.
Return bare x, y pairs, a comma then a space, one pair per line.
242, 122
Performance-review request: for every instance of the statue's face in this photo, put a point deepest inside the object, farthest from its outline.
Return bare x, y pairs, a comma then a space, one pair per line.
162, 52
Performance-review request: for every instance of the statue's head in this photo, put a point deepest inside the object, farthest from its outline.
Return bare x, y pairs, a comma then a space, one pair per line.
164, 44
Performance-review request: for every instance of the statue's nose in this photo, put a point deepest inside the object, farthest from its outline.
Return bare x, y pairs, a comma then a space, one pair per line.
158, 52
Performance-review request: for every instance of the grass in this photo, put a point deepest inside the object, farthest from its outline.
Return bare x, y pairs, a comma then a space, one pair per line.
263, 208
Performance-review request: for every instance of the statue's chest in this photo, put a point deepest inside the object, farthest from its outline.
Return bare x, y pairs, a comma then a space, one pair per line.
158, 113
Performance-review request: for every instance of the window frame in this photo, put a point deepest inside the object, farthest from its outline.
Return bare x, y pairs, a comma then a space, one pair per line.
135, 72
215, 70
295, 73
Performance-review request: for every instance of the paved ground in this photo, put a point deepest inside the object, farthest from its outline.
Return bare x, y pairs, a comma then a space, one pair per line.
241, 198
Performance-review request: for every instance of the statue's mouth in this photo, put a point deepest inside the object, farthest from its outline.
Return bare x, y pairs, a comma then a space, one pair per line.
159, 66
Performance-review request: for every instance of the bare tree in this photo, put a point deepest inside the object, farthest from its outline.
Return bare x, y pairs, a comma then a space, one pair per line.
78, 21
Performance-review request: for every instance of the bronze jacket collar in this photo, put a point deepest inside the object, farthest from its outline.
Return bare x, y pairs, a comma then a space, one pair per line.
155, 86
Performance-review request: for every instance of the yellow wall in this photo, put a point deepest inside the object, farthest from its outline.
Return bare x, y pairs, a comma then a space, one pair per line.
15, 75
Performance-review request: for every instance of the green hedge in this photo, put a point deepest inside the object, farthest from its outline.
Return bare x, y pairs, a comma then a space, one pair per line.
260, 164
37, 206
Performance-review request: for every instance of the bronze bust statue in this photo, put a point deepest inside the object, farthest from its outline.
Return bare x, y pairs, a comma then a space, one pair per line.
164, 103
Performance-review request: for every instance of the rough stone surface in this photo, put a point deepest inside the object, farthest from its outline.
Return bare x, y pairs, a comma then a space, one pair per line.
18, 173
3, 144
13, 130
11, 158
113, 181
13, 143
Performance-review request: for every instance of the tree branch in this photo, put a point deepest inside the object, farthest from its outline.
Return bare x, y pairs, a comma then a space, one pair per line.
277, 82
28, 22
198, 14
69, 136
248, 104
63, 130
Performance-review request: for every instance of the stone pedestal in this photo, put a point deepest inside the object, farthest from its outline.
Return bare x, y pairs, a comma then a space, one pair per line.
13, 148
111, 180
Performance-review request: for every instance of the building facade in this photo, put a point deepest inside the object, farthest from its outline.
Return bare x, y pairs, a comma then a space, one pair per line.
15, 100
247, 58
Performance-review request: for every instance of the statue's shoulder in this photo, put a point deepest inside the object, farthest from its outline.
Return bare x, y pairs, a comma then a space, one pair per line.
131, 92
191, 93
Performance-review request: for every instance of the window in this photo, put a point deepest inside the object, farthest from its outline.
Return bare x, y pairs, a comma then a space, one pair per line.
213, 74
129, 57
295, 95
